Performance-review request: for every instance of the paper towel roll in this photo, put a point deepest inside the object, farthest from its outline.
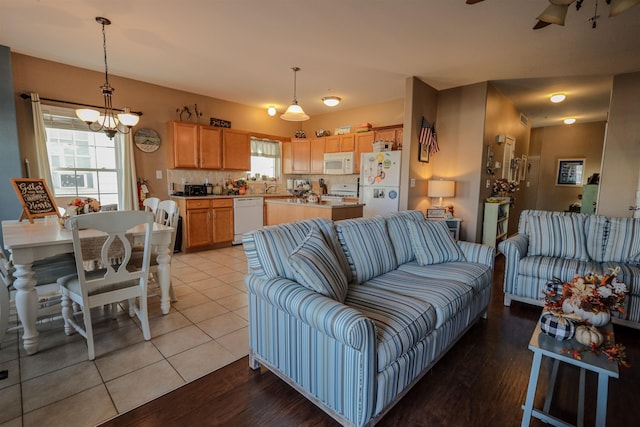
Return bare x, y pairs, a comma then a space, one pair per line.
289, 184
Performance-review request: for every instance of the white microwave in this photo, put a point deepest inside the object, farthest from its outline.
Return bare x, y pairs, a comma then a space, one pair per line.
339, 163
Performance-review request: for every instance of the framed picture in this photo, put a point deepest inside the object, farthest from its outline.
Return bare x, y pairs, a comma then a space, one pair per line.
570, 172
436, 212
524, 165
423, 153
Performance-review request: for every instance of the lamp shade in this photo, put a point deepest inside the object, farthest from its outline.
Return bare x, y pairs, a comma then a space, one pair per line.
294, 114
554, 14
618, 6
441, 188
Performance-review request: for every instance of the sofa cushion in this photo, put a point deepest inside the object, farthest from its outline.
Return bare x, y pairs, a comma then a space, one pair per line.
432, 242
401, 321
560, 236
367, 246
268, 249
597, 228
400, 235
550, 267
622, 242
478, 276
316, 267
629, 275
448, 297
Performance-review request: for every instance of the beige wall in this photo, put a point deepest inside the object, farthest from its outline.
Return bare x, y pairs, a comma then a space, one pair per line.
460, 124
381, 114
564, 142
621, 156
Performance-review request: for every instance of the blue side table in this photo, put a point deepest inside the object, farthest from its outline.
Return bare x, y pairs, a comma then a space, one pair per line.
544, 345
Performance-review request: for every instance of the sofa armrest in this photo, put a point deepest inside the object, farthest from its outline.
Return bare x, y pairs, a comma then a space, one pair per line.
514, 249
475, 252
332, 318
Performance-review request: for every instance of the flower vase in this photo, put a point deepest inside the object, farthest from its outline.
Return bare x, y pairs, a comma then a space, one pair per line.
597, 319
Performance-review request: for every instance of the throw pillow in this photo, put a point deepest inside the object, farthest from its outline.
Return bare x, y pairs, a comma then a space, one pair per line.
316, 267
432, 243
559, 236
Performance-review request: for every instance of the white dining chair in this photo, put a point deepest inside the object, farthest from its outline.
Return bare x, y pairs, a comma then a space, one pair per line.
46, 273
167, 213
114, 282
151, 204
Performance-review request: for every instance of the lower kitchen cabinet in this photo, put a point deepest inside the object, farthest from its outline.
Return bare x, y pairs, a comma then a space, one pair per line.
208, 222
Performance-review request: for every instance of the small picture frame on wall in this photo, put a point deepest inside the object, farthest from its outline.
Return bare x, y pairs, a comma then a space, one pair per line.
570, 172
423, 153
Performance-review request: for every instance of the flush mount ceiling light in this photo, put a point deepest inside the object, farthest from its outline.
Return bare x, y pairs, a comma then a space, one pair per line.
271, 110
557, 97
106, 120
569, 121
331, 101
294, 113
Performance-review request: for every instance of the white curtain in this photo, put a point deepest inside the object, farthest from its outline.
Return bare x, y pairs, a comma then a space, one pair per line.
40, 135
128, 191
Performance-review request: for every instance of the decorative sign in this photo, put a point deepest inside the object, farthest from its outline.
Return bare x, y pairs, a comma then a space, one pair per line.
219, 122
35, 198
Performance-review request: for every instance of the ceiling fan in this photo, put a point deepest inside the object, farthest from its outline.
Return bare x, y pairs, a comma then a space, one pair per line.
556, 12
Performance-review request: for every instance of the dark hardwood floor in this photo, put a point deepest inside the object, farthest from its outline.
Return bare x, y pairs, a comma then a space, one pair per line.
481, 381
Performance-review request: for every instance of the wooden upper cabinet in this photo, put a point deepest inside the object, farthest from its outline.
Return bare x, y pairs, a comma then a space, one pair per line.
210, 147
300, 155
236, 150
193, 146
332, 144
183, 150
348, 142
340, 143
316, 157
364, 144
391, 134
287, 158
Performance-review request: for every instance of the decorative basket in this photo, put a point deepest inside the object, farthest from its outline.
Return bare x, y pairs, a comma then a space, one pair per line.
558, 327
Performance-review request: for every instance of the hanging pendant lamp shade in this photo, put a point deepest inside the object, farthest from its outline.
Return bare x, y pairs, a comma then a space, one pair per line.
294, 113
554, 14
618, 6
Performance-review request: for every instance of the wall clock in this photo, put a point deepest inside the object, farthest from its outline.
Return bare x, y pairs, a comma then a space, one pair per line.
147, 140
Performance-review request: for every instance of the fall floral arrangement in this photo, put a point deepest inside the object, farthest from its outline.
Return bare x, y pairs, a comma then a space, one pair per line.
503, 185
84, 205
582, 305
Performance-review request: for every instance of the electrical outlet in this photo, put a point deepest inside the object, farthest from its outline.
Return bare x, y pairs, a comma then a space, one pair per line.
158, 174
412, 182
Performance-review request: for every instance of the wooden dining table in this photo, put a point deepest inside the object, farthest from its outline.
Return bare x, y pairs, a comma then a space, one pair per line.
46, 237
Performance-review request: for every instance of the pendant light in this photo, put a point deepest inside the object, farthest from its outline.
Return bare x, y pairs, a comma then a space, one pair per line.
106, 120
294, 113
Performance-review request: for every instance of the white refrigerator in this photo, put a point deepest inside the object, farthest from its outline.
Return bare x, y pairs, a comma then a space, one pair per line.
380, 182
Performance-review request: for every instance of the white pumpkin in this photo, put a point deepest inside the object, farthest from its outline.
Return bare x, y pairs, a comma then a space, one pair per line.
588, 335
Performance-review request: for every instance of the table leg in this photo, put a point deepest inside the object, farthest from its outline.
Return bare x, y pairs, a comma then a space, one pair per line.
27, 305
601, 408
164, 277
531, 391
552, 386
581, 399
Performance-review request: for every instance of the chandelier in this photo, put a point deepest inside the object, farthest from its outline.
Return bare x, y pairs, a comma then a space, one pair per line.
106, 120
294, 113
556, 12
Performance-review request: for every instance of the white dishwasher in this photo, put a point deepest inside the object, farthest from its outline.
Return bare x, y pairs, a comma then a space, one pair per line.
248, 214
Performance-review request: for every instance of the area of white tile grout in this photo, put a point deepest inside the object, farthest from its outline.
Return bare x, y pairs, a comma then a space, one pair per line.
205, 330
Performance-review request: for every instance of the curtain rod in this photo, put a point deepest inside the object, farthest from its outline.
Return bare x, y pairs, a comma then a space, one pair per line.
28, 96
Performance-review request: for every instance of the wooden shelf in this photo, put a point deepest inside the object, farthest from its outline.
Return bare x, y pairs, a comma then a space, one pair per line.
496, 223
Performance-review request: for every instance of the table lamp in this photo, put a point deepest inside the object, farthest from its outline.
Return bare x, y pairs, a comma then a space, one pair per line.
440, 188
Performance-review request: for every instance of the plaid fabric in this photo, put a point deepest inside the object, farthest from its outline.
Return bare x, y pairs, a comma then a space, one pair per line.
552, 326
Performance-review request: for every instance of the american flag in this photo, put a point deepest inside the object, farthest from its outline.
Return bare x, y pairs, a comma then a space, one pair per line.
428, 136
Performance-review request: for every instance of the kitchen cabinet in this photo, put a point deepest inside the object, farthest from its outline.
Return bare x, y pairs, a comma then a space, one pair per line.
394, 134
265, 216
316, 154
340, 143
236, 150
208, 222
194, 146
302, 155
363, 144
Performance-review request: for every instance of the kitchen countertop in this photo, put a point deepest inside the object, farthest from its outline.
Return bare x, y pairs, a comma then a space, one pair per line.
322, 204
232, 196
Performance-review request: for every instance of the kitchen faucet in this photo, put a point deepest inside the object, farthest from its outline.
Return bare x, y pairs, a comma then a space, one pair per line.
267, 187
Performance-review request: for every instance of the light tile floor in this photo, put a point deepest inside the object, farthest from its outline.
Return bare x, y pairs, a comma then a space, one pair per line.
205, 330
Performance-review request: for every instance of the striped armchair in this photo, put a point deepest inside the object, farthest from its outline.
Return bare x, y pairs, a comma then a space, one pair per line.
563, 245
351, 316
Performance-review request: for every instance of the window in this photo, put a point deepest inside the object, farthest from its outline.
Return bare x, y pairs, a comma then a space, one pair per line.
83, 163
265, 158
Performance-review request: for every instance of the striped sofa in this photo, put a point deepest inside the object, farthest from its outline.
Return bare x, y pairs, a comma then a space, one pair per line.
563, 245
383, 318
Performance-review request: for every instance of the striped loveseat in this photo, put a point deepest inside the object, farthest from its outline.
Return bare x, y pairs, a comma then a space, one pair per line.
563, 245
351, 315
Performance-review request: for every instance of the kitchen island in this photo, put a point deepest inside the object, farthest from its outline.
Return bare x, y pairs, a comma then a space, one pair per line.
289, 210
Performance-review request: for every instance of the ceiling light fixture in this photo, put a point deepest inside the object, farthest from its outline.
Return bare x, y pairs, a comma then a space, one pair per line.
271, 110
106, 120
569, 121
331, 101
294, 113
556, 12
557, 97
